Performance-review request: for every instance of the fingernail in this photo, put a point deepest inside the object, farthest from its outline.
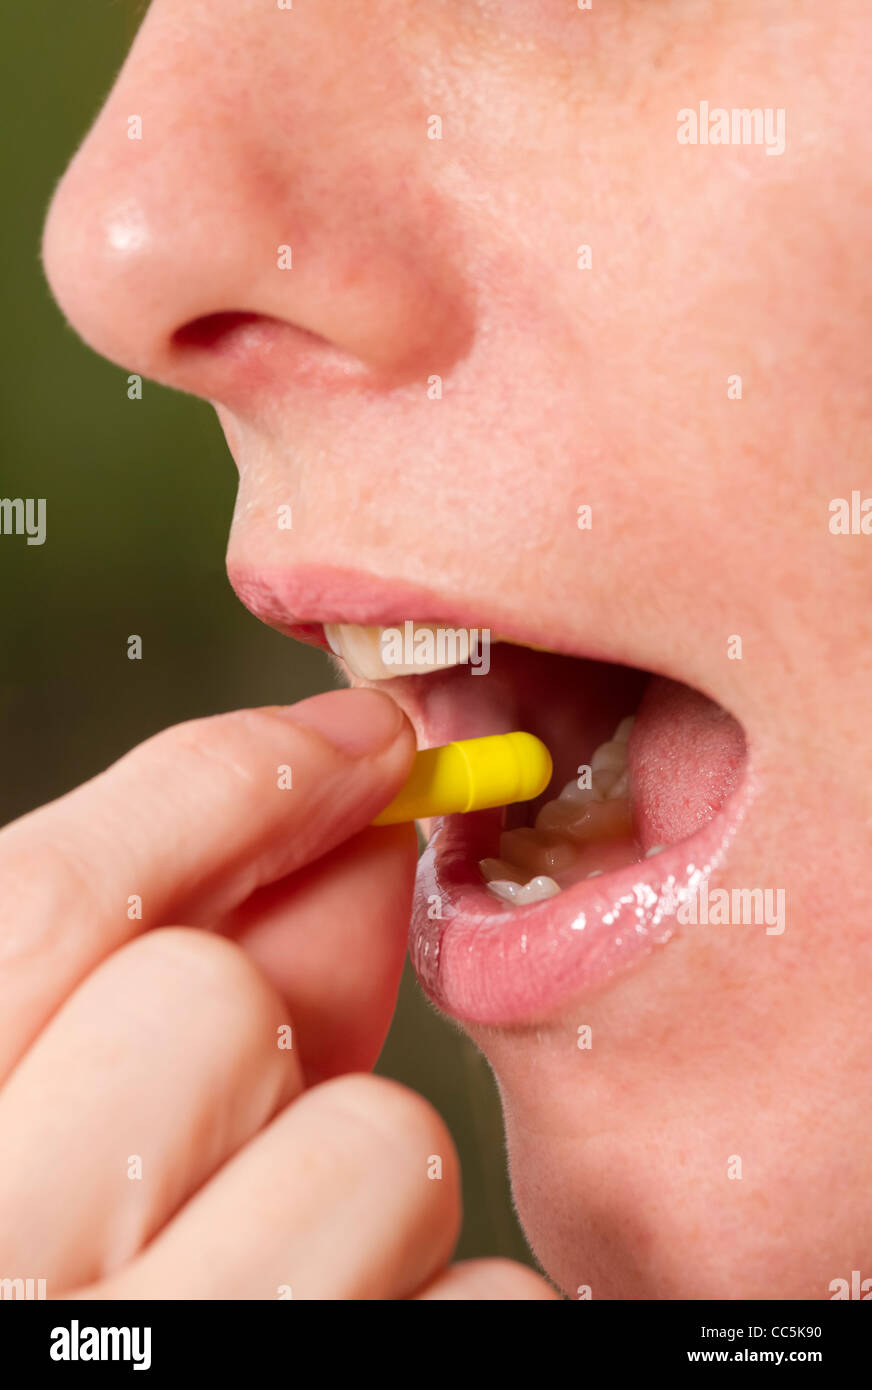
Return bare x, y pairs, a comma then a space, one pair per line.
354, 721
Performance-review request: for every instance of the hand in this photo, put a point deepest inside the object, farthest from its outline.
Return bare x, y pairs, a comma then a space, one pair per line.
177, 1113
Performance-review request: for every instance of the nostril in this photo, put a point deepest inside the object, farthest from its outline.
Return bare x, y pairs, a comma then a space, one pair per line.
250, 338
212, 330
236, 332
234, 355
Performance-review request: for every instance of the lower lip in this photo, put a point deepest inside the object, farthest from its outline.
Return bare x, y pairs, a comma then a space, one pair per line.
513, 966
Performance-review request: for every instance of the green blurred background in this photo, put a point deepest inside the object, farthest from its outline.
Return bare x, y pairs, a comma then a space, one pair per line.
127, 482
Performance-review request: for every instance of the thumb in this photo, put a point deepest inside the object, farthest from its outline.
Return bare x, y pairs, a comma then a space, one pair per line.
187, 827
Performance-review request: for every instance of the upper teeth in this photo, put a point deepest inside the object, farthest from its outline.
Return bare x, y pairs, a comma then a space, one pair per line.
380, 653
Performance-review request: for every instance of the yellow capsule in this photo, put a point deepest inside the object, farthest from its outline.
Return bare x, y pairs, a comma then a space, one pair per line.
471, 775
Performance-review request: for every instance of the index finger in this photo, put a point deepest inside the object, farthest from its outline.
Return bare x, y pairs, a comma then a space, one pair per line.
181, 830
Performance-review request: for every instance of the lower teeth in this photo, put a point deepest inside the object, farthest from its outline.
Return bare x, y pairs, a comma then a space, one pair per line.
585, 830
521, 894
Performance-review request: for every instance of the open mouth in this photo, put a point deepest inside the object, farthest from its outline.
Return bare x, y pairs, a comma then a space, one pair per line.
520, 909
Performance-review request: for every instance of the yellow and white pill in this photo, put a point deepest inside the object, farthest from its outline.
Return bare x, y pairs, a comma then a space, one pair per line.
472, 774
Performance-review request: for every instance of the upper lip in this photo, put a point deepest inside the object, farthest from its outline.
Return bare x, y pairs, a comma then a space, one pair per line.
299, 600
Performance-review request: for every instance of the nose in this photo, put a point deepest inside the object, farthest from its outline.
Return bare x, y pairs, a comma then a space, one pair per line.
239, 218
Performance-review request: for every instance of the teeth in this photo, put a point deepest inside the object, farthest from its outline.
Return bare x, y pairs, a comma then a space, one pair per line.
521, 895
610, 757
380, 653
538, 889
610, 779
582, 828
620, 788
538, 853
579, 795
594, 820
604, 779
497, 870
505, 888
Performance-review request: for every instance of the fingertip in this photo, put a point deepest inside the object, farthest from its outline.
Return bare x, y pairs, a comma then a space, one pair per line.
357, 723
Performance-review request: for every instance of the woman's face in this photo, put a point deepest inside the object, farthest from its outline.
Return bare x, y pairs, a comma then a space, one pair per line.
452, 273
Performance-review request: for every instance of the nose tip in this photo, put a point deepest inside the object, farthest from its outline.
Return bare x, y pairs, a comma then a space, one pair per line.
98, 257
212, 262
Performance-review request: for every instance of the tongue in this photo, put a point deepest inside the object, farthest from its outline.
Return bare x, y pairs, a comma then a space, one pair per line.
685, 757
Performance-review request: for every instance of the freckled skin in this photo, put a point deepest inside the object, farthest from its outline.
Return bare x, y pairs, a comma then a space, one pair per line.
564, 387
